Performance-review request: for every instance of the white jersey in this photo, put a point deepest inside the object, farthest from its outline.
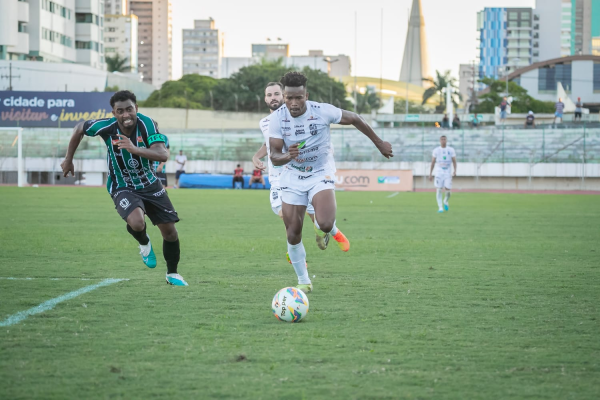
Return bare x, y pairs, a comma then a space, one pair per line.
311, 131
274, 171
443, 159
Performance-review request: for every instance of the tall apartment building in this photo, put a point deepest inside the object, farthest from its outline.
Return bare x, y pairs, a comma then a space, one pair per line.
121, 37
508, 39
202, 49
568, 27
53, 30
155, 35
467, 82
271, 51
115, 7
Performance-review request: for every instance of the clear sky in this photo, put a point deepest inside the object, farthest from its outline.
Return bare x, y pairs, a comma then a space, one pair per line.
328, 25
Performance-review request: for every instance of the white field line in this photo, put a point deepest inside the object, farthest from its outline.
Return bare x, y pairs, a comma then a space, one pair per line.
52, 279
50, 304
393, 195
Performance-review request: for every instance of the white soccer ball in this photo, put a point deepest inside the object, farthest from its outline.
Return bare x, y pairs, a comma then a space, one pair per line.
290, 304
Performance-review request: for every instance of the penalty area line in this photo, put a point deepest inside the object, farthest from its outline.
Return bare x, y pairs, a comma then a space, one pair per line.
10, 278
50, 304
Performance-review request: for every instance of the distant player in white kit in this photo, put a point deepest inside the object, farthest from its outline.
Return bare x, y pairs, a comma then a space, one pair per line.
443, 156
274, 100
300, 140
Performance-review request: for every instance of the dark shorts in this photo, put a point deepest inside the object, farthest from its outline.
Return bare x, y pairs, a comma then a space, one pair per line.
178, 174
163, 178
153, 200
577, 114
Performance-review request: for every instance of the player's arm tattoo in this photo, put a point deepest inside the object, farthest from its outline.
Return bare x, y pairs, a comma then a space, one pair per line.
277, 156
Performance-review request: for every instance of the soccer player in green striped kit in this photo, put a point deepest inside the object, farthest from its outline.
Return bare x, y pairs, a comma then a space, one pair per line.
133, 143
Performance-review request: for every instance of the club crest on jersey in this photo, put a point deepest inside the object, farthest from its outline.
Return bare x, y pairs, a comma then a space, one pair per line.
313, 129
115, 141
275, 195
133, 163
309, 169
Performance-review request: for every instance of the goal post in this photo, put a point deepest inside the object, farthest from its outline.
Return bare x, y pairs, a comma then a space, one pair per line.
21, 181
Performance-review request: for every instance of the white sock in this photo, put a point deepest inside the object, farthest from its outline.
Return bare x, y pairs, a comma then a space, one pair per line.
438, 196
448, 193
333, 231
298, 258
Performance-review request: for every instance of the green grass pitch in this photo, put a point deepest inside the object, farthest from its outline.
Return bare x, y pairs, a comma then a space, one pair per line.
499, 298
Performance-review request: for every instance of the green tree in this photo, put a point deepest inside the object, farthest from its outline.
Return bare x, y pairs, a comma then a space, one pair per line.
111, 88
522, 102
439, 87
191, 91
413, 108
117, 64
244, 91
367, 102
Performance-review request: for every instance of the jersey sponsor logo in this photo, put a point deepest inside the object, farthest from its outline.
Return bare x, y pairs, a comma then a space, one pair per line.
124, 203
312, 149
285, 120
298, 126
307, 159
300, 168
159, 193
312, 118
133, 163
140, 139
314, 130
330, 181
300, 132
302, 177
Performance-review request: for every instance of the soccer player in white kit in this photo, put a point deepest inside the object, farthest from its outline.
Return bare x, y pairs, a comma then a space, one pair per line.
300, 141
443, 156
274, 100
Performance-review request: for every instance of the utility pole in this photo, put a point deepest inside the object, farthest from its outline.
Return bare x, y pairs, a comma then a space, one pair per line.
10, 76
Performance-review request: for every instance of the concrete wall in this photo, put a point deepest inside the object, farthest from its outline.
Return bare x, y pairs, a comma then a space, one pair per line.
514, 176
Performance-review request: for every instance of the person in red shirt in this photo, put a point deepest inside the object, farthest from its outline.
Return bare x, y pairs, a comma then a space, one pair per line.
238, 176
257, 178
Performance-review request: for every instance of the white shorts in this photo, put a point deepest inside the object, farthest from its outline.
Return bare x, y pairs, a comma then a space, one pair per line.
276, 201
443, 181
299, 190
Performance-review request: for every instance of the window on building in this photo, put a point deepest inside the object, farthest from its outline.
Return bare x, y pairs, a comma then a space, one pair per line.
84, 18
597, 77
525, 15
550, 75
22, 27
525, 24
513, 15
111, 29
111, 39
513, 24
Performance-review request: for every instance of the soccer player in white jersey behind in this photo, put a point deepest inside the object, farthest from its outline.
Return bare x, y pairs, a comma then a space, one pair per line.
274, 100
443, 156
300, 140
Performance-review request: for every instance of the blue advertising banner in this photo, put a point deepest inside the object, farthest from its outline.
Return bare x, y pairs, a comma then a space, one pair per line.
52, 109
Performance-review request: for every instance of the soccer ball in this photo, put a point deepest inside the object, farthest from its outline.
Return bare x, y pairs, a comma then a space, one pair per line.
290, 304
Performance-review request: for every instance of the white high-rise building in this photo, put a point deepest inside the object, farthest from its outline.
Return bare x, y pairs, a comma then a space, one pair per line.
115, 7
53, 30
155, 35
202, 49
121, 37
14, 26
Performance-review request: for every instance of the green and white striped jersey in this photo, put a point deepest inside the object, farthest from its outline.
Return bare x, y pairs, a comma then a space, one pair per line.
126, 170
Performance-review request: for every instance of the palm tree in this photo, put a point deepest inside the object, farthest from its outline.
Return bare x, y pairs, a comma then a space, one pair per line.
117, 64
368, 101
439, 86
